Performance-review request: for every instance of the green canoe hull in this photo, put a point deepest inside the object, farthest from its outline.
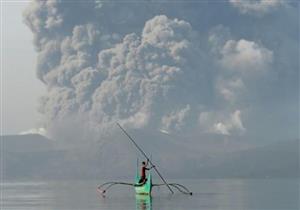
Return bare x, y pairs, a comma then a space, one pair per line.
144, 189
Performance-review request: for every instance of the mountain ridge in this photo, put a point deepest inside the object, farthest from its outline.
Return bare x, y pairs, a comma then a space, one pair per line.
37, 157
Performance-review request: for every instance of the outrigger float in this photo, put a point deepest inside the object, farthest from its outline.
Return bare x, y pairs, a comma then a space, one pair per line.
146, 187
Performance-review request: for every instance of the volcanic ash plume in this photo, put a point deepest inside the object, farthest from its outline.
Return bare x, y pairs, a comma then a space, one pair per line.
123, 62
101, 76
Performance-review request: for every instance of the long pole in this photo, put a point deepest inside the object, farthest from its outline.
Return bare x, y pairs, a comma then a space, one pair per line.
137, 146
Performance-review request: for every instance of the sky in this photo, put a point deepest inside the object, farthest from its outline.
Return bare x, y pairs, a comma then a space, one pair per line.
229, 68
20, 87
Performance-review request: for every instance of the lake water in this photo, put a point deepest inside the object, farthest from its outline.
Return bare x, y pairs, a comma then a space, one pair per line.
229, 194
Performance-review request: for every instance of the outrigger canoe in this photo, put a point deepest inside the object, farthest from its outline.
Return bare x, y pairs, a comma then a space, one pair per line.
144, 188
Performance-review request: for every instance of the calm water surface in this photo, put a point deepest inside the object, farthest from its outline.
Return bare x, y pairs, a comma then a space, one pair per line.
230, 194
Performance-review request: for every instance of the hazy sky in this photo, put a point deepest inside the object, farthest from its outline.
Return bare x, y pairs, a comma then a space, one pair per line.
221, 67
20, 87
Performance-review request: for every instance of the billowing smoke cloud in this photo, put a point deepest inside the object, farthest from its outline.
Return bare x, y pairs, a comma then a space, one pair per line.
142, 74
103, 78
240, 62
148, 72
257, 7
219, 123
245, 56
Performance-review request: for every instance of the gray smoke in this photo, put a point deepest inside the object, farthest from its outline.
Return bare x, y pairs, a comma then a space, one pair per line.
104, 62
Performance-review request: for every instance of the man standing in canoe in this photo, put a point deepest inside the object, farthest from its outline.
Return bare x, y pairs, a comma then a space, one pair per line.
143, 171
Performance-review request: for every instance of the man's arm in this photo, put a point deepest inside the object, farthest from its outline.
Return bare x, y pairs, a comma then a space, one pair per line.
153, 166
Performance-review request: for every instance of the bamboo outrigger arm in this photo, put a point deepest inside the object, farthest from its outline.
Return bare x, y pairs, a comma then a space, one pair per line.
104, 187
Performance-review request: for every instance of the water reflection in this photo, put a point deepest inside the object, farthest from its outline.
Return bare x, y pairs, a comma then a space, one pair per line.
143, 202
